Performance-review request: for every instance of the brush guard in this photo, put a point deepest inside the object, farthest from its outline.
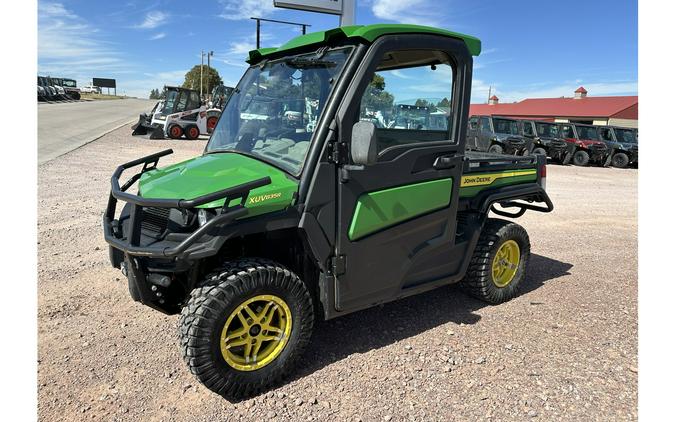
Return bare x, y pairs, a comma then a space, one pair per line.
129, 243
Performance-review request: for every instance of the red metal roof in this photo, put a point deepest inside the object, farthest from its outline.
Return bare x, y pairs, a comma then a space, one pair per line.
494, 97
581, 90
563, 107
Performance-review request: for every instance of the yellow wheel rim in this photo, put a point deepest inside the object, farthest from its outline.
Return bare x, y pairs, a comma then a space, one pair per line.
505, 263
256, 332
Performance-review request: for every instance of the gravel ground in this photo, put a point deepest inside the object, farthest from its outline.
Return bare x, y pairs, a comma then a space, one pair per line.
566, 349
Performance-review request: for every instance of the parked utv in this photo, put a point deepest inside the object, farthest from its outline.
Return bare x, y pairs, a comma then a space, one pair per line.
274, 227
547, 141
587, 148
497, 135
622, 144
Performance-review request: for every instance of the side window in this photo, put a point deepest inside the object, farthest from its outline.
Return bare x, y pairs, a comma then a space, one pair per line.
193, 101
485, 124
567, 131
473, 123
527, 129
605, 134
409, 99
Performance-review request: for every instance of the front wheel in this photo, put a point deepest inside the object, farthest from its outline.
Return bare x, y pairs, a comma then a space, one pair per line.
620, 160
499, 262
539, 151
175, 131
245, 327
581, 158
496, 149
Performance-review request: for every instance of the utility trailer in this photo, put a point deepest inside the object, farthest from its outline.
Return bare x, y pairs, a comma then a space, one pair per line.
275, 227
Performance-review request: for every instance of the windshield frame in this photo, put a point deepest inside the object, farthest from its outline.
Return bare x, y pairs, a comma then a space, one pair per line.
238, 89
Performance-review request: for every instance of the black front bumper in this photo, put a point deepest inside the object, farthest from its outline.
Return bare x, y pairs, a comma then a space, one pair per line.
127, 237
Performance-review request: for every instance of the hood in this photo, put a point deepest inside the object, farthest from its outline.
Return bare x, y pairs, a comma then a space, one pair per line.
210, 173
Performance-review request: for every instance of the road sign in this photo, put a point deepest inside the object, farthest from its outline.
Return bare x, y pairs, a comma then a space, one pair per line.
344, 8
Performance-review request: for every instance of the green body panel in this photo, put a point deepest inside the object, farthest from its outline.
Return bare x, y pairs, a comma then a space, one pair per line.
367, 33
210, 173
380, 209
514, 177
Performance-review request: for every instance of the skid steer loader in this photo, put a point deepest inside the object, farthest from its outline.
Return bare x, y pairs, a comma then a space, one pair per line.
180, 113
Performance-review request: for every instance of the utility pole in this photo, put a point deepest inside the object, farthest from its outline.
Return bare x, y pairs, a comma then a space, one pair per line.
489, 93
208, 71
201, 75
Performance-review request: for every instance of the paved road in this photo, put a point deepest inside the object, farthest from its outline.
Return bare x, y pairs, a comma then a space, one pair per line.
65, 126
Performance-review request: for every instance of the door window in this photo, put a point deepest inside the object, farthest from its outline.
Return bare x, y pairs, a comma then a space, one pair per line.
567, 131
409, 98
527, 129
606, 134
473, 123
485, 124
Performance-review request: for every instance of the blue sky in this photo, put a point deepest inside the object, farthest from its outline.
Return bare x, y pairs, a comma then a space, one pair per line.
530, 48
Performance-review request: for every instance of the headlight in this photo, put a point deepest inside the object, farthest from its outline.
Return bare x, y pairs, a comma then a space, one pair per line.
203, 216
159, 116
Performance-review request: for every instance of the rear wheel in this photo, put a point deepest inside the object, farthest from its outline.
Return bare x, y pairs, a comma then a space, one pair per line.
496, 149
175, 131
499, 262
539, 151
620, 160
191, 132
245, 327
211, 123
581, 158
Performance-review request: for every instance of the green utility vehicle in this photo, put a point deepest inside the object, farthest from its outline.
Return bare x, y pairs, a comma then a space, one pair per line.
274, 227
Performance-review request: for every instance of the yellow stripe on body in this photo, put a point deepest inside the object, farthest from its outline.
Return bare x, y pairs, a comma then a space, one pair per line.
489, 178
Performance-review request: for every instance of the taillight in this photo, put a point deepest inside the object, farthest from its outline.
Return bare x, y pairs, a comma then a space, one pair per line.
542, 176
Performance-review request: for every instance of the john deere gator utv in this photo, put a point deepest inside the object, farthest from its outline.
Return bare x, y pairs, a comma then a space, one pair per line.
274, 227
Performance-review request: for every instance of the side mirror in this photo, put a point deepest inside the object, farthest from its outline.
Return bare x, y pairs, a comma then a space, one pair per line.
364, 143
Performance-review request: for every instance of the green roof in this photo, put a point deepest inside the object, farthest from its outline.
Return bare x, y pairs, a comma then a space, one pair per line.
366, 33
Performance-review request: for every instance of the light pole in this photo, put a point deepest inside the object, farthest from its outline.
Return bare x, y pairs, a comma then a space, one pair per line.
208, 71
201, 75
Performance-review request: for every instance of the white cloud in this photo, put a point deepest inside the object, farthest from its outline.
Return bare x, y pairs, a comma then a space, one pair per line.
419, 12
158, 36
153, 19
245, 9
141, 87
70, 47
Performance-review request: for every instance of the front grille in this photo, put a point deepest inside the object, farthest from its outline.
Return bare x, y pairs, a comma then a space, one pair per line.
558, 144
155, 220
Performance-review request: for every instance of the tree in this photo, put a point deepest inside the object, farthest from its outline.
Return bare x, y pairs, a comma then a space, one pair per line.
211, 78
376, 98
445, 103
154, 94
425, 103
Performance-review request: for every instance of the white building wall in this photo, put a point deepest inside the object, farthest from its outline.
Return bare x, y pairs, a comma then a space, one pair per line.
624, 122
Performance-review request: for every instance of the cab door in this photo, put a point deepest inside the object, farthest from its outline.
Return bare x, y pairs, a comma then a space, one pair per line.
472, 134
485, 136
397, 217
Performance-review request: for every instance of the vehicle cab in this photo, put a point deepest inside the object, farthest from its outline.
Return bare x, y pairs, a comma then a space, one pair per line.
497, 135
588, 148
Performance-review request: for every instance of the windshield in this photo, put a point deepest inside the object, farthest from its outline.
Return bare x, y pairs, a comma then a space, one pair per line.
274, 110
170, 100
587, 132
506, 126
69, 83
548, 129
625, 135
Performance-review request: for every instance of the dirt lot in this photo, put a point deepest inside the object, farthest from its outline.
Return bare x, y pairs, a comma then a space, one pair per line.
566, 349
